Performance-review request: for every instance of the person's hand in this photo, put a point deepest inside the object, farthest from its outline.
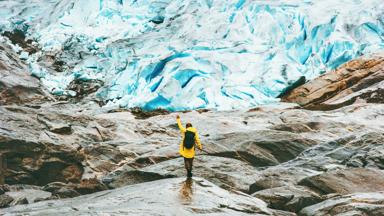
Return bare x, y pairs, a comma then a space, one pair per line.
178, 117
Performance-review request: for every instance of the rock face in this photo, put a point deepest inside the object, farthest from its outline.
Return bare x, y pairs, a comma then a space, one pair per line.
296, 160
360, 79
175, 196
16, 84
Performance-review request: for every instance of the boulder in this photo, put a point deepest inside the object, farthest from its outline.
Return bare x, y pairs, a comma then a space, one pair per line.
20, 201
280, 176
346, 181
24, 194
127, 175
289, 198
5, 200
360, 79
65, 190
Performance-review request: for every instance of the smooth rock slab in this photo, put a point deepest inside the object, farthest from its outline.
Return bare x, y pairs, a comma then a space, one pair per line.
164, 197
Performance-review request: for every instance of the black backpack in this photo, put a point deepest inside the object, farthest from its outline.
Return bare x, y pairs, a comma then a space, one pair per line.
189, 140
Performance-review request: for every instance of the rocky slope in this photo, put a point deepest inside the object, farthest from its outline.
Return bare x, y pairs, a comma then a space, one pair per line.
272, 160
360, 79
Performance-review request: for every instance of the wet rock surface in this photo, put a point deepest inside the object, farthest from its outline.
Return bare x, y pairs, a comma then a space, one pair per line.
175, 196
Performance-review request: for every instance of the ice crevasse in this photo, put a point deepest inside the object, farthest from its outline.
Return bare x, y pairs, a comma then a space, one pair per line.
192, 54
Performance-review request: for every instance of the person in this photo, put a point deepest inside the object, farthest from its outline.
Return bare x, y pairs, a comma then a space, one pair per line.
187, 146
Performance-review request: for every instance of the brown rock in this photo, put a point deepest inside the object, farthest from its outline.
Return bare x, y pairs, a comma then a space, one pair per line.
342, 87
16, 84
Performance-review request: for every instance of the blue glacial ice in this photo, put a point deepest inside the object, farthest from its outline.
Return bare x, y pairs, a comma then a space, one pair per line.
191, 54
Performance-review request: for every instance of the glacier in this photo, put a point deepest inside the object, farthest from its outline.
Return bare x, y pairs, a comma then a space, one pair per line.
192, 54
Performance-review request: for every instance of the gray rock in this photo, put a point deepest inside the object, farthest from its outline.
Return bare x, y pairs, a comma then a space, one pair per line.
227, 173
371, 204
20, 201
260, 148
289, 198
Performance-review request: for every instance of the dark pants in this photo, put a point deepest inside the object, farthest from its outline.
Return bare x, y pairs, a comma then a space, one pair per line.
188, 163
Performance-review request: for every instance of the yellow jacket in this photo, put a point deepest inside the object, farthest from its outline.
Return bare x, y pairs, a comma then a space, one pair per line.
188, 153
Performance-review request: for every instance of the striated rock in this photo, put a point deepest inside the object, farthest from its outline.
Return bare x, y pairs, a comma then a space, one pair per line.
88, 186
65, 190
289, 198
360, 79
292, 127
166, 197
371, 204
39, 164
5, 200
42, 146
20, 201
129, 176
346, 181
260, 148
280, 176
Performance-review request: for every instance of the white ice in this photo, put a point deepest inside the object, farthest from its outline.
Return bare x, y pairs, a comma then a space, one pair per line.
191, 54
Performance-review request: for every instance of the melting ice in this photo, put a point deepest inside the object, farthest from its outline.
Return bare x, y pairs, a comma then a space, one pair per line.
190, 54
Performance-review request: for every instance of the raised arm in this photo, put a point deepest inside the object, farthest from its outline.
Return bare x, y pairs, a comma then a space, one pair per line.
197, 139
182, 129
